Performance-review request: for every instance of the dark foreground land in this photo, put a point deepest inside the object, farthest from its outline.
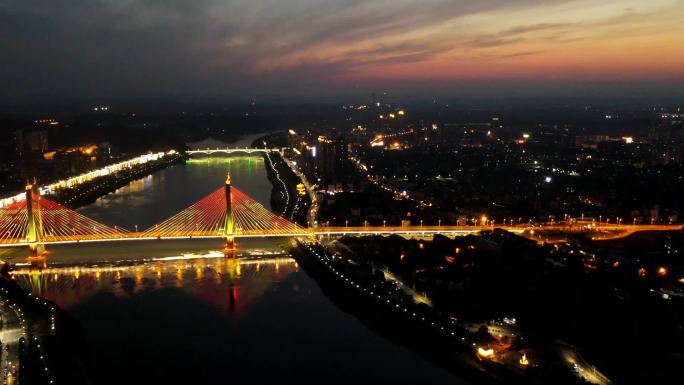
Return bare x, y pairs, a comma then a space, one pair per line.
619, 304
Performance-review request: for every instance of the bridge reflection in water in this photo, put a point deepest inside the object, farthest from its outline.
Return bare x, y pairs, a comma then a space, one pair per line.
225, 283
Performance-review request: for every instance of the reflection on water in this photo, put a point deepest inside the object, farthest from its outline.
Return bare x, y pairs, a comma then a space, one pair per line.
214, 280
136, 186
218, 321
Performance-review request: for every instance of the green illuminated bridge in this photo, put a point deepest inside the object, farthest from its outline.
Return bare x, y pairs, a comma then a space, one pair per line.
210, 151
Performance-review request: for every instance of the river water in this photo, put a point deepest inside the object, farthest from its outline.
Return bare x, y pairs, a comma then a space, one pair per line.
173, 312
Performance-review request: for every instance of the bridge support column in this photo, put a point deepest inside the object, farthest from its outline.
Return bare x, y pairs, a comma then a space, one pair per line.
34, 234
231, 246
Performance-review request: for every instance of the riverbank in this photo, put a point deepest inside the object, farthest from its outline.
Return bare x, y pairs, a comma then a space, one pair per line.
404, 322
40, 343
286, 201
88, 192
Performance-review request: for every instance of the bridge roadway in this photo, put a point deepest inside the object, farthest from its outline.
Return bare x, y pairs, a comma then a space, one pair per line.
530, 231
209, 151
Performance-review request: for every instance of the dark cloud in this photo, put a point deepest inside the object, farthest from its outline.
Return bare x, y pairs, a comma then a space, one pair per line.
230, 47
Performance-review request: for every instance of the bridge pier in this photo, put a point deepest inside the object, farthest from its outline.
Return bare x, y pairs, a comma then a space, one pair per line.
231, 246
37, 256
36, 250
34, 235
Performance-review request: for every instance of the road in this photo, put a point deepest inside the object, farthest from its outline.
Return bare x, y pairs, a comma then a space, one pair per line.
531, 232
11, 332
578, 365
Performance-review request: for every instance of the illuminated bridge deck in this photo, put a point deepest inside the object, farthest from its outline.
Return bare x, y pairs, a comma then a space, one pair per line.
228, 213
607, 232
210, 151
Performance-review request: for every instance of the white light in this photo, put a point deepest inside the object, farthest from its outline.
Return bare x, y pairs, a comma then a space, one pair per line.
547, 179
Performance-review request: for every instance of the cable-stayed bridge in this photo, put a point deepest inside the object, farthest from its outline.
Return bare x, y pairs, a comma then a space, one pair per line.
227, 213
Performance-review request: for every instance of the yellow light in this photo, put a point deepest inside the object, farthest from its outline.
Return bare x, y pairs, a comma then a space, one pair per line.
483, 219
524, 361
292, 132
485, 352
392, 116
401, 112
662, 271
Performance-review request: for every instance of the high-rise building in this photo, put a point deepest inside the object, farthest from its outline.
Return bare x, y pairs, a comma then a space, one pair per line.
30, 141
36, 141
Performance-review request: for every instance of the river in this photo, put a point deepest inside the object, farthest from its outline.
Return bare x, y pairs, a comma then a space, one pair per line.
172, 312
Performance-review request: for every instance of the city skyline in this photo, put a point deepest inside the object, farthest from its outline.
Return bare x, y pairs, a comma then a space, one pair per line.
310, 49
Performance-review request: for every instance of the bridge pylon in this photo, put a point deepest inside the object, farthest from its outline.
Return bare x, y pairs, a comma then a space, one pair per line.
34, 233
230, 248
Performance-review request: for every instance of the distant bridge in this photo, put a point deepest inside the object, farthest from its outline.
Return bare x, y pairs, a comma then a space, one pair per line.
210, 151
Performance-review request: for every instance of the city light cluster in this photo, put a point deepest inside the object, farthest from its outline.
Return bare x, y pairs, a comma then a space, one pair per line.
77, 180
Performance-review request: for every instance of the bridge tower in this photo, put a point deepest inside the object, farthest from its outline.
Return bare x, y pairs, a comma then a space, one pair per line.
34, 233
228, 231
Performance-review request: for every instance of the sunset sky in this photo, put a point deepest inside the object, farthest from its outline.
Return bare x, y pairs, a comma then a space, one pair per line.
311, 48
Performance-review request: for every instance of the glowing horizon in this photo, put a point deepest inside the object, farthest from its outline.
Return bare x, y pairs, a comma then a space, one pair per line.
214, 47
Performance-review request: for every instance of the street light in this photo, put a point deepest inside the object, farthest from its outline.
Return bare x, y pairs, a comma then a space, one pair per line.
439, 222
383, 223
